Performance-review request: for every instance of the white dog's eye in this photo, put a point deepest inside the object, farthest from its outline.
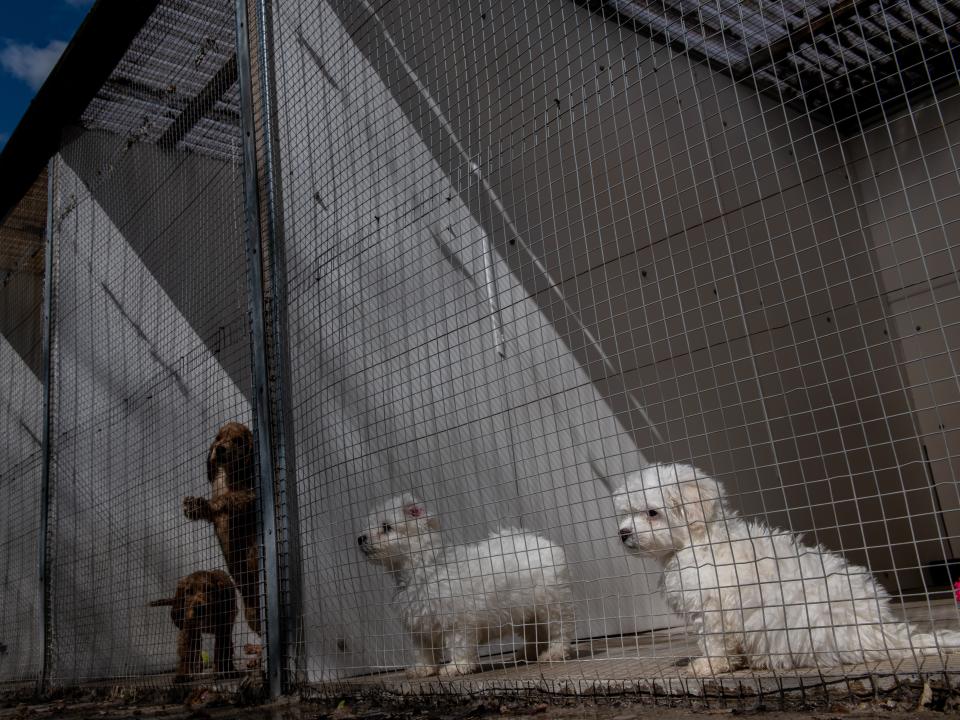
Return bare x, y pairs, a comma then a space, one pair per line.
652, 513
386, 527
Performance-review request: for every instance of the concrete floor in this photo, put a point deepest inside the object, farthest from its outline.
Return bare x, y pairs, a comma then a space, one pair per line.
655, 663
650, 664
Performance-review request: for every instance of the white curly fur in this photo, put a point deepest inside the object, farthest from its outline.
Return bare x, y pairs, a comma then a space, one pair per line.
457, 598
757, 595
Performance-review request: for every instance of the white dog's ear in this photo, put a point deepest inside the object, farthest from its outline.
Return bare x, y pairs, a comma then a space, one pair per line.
414, 509
699, 503
417, 510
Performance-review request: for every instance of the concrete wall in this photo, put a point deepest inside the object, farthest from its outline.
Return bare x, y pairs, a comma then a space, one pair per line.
139, 395
21, 325
905, 176
20, 458
713, 243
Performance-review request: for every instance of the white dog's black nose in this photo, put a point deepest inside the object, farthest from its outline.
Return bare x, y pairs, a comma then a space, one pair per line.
625, 534
362, 540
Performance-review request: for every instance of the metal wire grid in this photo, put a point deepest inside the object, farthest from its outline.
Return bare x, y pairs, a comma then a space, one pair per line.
151, 357
176, 85
516, 238
519, 237
21, 295
844, 63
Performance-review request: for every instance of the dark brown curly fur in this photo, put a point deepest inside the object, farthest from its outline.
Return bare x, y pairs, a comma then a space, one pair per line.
232, 510
205, 602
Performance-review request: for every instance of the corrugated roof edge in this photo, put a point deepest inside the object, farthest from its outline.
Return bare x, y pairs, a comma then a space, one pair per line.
98, 45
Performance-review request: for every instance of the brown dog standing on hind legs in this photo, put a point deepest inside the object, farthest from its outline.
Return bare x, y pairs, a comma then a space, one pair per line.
232, 508
205, 602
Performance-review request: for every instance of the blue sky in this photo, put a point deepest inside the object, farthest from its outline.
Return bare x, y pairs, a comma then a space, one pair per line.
32, 36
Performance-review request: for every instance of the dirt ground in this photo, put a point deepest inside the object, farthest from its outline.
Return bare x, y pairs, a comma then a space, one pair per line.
206, 705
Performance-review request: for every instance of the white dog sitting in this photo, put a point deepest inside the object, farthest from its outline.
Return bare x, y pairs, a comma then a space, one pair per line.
461, 597
756, 595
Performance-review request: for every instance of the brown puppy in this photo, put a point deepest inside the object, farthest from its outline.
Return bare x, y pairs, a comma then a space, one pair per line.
205, 602
233, 512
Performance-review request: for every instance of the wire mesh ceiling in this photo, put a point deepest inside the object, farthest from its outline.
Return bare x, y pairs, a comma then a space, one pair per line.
846, 63
154, 96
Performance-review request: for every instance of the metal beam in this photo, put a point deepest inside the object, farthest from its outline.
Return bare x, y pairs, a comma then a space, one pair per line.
824, 22
201, 105
49, 319
266, 285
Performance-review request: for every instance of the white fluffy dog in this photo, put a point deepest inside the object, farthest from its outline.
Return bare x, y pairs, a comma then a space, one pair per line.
460, 597
756, 595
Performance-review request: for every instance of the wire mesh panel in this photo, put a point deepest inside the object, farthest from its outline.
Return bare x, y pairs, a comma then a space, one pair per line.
155, 551
21, 327
533, 246
397, 354
571, 306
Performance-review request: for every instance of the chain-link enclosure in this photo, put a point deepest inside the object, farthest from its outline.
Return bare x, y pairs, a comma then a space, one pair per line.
151, 358
532, 243
21, 427
382, 335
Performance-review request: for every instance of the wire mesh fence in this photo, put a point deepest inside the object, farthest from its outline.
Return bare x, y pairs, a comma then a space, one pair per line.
531, 244
392, 333
21, 411
153, 475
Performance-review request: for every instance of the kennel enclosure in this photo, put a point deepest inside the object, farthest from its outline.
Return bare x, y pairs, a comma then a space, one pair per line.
465, 249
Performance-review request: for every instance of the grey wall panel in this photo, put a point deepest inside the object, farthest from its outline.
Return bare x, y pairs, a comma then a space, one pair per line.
20, 456
906, 179
138, 398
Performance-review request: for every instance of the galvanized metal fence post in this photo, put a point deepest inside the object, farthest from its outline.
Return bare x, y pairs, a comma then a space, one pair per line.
266, 291
49, 319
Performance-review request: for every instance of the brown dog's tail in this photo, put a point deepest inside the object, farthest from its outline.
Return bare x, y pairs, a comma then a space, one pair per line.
161, 603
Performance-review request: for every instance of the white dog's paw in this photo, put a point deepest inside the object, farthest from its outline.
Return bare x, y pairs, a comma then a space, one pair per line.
453, 669
554, 653
703, 666
421, 671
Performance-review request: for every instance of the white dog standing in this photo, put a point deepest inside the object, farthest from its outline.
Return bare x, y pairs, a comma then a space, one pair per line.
757, 596
457, 598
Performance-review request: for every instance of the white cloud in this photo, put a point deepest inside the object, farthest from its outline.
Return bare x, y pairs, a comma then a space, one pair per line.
30, 63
